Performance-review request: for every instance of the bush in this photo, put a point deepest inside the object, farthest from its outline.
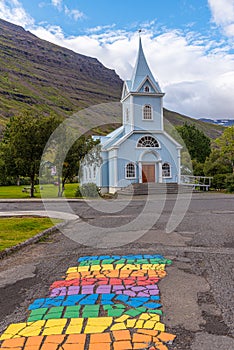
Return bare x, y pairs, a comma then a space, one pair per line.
89, 190
78, 192
219, 181
223, 182
230, 183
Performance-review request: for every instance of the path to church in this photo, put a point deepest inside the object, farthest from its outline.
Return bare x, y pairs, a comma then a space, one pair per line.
164, 291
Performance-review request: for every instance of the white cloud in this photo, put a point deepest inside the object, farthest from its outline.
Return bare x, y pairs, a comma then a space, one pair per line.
197, 75
195, 72
57, 3
13, 11
75, 14
223, 15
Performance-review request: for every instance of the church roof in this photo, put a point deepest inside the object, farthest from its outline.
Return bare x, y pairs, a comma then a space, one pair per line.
141, 72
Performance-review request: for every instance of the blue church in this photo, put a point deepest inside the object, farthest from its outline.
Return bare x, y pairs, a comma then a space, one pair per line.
140, 151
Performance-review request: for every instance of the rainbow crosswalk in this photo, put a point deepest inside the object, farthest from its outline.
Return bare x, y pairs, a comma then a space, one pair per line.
105, 302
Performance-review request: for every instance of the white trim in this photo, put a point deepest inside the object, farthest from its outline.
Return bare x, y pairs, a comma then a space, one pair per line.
142, 131
170, 169
143, 112
142, 94
151, 148
110, 139
160, 177
125, 171
151, 82
179, 165
125, 87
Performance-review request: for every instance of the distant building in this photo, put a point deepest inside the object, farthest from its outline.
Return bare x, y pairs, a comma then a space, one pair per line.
140, 150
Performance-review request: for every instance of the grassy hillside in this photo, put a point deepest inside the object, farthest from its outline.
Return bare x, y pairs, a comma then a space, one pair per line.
38, 76
211, 130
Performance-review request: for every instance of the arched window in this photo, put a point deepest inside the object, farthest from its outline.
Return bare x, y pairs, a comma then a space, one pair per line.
148, 141
146, 88
166, 170
127, 114
90, 173
130, 171
94, 171
147, 112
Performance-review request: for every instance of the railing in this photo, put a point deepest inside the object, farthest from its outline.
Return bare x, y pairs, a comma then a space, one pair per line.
203, 182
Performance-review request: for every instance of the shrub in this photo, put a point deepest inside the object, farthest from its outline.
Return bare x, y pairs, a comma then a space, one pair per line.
223, 182
230, 183
219, 181
89, 190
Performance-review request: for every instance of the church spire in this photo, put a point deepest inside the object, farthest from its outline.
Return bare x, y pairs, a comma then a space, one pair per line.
142, 71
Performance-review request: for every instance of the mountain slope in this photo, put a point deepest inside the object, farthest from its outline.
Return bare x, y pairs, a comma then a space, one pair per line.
38, 76
211, 130
41, 76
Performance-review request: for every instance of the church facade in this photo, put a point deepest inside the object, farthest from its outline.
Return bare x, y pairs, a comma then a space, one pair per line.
140, 150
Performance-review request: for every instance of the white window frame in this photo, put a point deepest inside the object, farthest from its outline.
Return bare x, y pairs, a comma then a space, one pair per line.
166, 176
147, 147
147, 110
126, 171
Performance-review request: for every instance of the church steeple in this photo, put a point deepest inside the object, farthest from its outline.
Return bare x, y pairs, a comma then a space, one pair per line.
142, 98
141, 72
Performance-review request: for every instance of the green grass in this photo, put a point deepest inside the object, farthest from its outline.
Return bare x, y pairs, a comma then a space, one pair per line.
47, 191
17, 230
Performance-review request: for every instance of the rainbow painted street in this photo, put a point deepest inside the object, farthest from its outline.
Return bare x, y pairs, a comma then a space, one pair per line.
104, 302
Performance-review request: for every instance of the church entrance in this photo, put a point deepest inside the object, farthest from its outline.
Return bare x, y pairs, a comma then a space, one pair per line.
148, 173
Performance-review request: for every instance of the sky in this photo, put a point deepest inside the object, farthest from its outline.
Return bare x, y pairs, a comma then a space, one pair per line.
189, 44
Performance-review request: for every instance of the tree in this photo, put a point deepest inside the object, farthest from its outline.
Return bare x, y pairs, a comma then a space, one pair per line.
65, 150
82, 147
23, 142
217, 164
225, 144
197, 143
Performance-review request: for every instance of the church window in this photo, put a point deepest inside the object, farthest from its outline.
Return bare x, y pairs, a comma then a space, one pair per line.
127, 115
148, 141
90, 174
166, 170
147, 112
94, 171
130, 171
146, 88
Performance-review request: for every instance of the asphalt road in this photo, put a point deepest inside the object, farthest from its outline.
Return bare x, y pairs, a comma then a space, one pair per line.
197, 294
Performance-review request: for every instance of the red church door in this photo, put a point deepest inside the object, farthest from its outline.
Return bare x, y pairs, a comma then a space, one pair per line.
148, 173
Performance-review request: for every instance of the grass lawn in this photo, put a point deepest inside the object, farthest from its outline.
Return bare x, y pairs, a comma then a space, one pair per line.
47, 191
17, 230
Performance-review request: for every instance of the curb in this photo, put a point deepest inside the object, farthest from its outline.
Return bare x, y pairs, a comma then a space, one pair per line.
8, 251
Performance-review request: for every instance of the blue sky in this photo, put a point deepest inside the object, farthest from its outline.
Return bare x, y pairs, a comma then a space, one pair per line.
127, 14
188, 43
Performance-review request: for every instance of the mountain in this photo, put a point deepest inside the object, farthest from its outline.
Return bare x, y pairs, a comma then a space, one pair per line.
211, 130
39, 76
223, 122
